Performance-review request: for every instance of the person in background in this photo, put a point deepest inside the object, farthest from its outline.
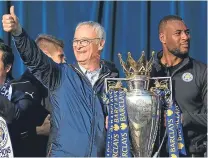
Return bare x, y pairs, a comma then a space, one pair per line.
53, 48
18, 110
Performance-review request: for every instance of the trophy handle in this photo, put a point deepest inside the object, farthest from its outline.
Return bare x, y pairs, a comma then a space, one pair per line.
162, 78
114, 86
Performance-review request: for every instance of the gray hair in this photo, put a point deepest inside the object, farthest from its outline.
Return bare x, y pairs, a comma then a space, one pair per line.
96, 26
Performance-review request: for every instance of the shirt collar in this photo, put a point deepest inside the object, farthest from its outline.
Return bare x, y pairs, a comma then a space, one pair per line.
86, 71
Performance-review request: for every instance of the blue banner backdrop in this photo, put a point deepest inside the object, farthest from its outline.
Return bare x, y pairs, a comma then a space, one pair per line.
130, 25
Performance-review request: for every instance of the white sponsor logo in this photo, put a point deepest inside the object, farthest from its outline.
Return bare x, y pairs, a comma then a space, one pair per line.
30, 94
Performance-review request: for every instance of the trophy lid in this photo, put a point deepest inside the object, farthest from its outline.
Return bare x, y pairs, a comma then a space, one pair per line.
133, 68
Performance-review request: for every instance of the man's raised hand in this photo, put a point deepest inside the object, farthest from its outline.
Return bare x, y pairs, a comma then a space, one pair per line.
10, 22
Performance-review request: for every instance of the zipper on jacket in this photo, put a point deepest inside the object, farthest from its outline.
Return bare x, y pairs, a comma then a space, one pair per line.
97, 83
94, 112
180, 67
88, 154
99, 80
80, 73
93, 125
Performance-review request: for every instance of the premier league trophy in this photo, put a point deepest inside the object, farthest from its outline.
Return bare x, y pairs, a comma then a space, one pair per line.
133, 111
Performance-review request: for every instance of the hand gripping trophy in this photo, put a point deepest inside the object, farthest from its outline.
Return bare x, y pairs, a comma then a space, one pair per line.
142, 109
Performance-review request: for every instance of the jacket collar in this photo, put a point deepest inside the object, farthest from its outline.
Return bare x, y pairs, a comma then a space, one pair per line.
158, 65
106, 67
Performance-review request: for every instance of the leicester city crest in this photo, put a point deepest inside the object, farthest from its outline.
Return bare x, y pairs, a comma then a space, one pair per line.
3, 134
187, 77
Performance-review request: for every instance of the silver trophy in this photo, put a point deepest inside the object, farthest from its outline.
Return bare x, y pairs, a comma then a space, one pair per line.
142, 105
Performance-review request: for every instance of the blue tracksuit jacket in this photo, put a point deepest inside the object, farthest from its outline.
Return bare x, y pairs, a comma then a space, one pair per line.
78, 113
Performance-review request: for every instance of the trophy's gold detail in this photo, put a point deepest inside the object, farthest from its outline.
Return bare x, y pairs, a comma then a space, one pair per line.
133, 68
117, 86
163, 85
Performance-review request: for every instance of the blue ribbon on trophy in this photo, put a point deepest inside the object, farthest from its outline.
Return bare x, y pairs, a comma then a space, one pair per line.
117, 142
173, 116
181, 143
110, 125
172, 133
175, 133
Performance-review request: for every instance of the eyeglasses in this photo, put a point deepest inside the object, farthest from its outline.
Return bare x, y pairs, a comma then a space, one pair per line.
83, 42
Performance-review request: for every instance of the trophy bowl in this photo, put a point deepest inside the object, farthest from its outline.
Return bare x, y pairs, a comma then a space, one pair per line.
143, 116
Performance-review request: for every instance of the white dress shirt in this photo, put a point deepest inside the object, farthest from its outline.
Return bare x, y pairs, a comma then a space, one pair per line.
91, 75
